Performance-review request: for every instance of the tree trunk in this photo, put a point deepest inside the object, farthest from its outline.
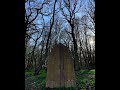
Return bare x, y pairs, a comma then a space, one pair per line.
48, 39
76, 57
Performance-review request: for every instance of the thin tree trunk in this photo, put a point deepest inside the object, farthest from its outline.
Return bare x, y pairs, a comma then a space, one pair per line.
49, 35
76, 57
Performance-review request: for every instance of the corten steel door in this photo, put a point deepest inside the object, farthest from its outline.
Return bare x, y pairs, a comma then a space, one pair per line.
60, 69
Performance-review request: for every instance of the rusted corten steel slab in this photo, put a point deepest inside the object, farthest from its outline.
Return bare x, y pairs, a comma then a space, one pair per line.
60, 68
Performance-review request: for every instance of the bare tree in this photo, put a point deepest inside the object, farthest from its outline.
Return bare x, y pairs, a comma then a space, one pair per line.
48, 39
90, 11
33, 11
47, 24
69, 10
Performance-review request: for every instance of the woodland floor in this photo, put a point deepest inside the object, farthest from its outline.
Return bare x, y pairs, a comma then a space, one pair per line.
84, 79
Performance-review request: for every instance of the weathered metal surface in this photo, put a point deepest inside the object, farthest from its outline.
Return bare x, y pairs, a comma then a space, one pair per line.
60, 69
